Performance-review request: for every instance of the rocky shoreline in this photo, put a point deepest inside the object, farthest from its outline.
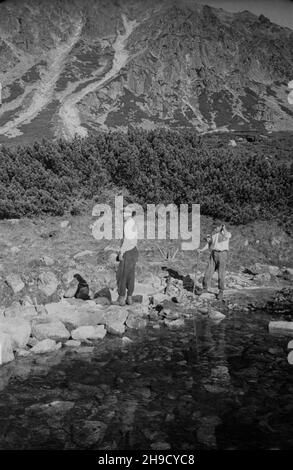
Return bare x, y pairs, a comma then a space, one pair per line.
164, 300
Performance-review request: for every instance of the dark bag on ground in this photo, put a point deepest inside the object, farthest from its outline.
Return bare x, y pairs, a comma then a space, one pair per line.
83, 288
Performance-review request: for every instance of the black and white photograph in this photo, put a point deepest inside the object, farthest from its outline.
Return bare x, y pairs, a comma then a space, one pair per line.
146, 231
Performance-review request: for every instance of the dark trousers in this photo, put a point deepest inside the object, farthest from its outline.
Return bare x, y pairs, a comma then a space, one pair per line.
126, 272
217, 262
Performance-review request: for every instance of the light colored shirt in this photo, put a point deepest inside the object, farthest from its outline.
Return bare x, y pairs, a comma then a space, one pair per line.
130, 236
220, 241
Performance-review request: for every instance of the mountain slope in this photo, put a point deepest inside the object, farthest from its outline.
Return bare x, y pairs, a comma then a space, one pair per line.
75, 66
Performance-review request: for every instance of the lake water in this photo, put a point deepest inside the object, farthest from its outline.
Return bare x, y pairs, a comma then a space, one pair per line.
207, 386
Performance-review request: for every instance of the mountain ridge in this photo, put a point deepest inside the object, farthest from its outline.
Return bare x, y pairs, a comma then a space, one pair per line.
179, 65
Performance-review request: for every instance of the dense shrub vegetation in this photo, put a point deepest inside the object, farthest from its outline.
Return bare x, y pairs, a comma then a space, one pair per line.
238, 184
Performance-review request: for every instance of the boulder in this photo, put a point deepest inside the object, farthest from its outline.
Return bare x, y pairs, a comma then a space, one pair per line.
89, 332
115, 328
75, 313
290, 358
263, 278
88, 434
126, 341
18, 329
206, 296
281, 327
259, 268
47, 261
47, 283
53, 330
174, 324
146, 290
135, 321
73, 343
68, 277
22, 352
159, 298
72, 289
216, 315
140, 310
6, 349
45, 346
26, 301
15, 310
102, 301
203, 310
115, 317
32, 341
290, 344
15, 282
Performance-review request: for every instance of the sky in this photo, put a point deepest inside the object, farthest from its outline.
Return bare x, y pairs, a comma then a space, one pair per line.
278, 11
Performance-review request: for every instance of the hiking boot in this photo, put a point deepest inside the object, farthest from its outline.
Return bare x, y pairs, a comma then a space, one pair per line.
129, 300
120, 301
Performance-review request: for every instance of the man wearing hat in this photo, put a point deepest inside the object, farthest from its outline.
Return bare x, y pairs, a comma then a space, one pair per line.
128, 256
219, 246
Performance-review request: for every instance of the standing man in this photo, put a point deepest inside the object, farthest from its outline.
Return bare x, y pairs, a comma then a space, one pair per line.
219, 246
128, 256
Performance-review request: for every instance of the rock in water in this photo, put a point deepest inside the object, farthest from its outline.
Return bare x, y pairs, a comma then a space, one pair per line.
18, 329
53, 330
174, 324
47, 283
290, 344
14, 281
135, 321
115, 318
126, 341
73, 343
206, 432
115, 328
139, 310
77, 314
216, 315
88, 433
6, 350
89, 332
281, 327
46, 346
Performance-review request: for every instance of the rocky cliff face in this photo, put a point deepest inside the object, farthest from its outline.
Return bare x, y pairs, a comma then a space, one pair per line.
75, 66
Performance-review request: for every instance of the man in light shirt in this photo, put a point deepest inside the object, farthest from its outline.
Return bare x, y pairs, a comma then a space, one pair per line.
219, 246
128, 256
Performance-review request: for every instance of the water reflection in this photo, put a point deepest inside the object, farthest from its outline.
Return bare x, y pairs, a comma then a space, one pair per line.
209, 385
